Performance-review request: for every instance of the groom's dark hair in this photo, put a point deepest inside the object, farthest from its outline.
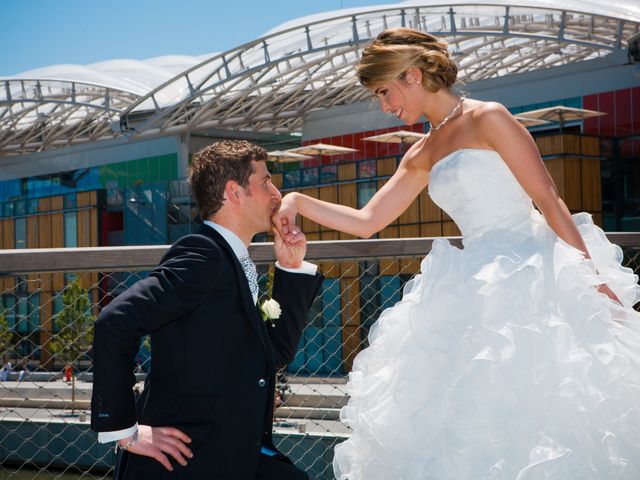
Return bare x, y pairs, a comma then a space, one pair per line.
214, 165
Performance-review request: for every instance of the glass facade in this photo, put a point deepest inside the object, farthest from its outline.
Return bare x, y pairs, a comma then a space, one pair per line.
20, 232
367, 169
291, 179
328, 174
71, 229
621, 185
19, 207
9, 305
22, 316
366, 190
310, 176
320, 348
115, 175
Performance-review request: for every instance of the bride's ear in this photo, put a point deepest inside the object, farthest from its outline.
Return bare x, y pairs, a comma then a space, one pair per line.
413, 75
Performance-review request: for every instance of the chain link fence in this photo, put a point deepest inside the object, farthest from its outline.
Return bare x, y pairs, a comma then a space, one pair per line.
51, 298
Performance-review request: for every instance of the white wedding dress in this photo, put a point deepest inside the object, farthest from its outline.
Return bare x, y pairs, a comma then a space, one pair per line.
502, 360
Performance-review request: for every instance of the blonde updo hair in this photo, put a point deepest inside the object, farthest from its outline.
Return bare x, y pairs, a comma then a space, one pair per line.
393, 51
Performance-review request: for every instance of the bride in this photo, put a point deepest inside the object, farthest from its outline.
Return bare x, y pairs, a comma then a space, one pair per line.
517, 357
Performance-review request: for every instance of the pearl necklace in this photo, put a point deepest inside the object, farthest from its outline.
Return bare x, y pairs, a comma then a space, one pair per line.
447, 118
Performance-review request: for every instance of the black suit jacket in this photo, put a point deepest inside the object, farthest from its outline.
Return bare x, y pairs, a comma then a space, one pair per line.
213, 358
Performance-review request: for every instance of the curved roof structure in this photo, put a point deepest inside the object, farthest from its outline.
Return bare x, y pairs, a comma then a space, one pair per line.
65, 104
269, 84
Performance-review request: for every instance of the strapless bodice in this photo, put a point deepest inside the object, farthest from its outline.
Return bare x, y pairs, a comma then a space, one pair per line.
479, 192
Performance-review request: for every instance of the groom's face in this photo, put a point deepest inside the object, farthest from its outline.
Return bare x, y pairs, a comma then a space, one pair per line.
262, 198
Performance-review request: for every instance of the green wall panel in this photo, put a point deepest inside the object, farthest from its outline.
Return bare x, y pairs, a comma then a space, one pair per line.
140, 171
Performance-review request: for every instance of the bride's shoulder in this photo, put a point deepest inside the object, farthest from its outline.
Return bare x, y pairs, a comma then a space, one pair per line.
479, 109
491, 118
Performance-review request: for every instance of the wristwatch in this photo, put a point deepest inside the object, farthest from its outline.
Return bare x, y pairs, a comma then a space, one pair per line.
129, 444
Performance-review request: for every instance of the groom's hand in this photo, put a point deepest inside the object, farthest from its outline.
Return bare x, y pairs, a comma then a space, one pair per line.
290, 254
158, 442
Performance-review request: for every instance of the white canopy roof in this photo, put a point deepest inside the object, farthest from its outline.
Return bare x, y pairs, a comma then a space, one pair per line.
270, 83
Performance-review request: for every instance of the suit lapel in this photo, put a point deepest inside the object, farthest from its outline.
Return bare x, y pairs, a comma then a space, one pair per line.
251, 310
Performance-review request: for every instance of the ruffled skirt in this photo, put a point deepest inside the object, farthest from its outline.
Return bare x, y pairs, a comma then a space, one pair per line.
502, 361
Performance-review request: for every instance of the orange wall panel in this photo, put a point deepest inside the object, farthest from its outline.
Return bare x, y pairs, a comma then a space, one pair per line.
57, 230
32, 231
386, 167
347, 171
57, 203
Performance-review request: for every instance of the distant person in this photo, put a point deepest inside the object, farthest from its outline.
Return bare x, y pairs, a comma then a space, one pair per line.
5, 370
515, 357
22, 371
213, 419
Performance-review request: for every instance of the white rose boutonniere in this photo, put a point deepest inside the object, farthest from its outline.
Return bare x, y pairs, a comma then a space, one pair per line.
271, 311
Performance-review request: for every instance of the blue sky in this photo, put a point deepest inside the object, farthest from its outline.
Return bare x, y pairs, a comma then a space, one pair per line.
38, 33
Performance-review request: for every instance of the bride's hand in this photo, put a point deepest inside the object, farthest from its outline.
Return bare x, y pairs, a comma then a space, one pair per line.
609, 293
284, 220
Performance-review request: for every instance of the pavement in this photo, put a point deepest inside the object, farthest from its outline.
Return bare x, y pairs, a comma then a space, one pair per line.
311, 404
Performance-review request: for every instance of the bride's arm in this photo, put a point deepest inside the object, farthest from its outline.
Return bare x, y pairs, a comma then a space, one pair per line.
384, 207
519, 151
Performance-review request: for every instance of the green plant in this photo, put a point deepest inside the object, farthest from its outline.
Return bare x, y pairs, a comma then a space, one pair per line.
6, 335
74, 324
75, 330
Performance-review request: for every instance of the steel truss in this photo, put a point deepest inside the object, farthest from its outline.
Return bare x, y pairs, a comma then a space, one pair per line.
39, 114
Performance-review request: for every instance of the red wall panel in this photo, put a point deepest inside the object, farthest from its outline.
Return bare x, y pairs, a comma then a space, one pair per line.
623, 121
606, 104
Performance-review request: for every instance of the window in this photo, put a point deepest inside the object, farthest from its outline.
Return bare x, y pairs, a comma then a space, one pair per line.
22, 316
33, 312
20, 233
370, 299
332, 309
329, 174
367, 169
9, 211
10, 310
390, 288
32, 206
310, 176
366, 190
291, 179
70, 229
377, 293
70, 201
20, 207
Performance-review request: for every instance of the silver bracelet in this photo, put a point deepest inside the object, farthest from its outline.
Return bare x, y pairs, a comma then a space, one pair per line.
129, 444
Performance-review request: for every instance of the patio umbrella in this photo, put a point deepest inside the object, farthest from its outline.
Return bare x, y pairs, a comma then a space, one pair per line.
322, 149
399, 136
403, 137
561, 114
284, 156
531, 122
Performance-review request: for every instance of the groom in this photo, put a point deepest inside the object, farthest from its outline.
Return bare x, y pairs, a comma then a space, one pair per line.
207, 406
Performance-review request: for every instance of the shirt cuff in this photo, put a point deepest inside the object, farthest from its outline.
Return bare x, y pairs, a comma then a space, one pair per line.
105, 437
306, 268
